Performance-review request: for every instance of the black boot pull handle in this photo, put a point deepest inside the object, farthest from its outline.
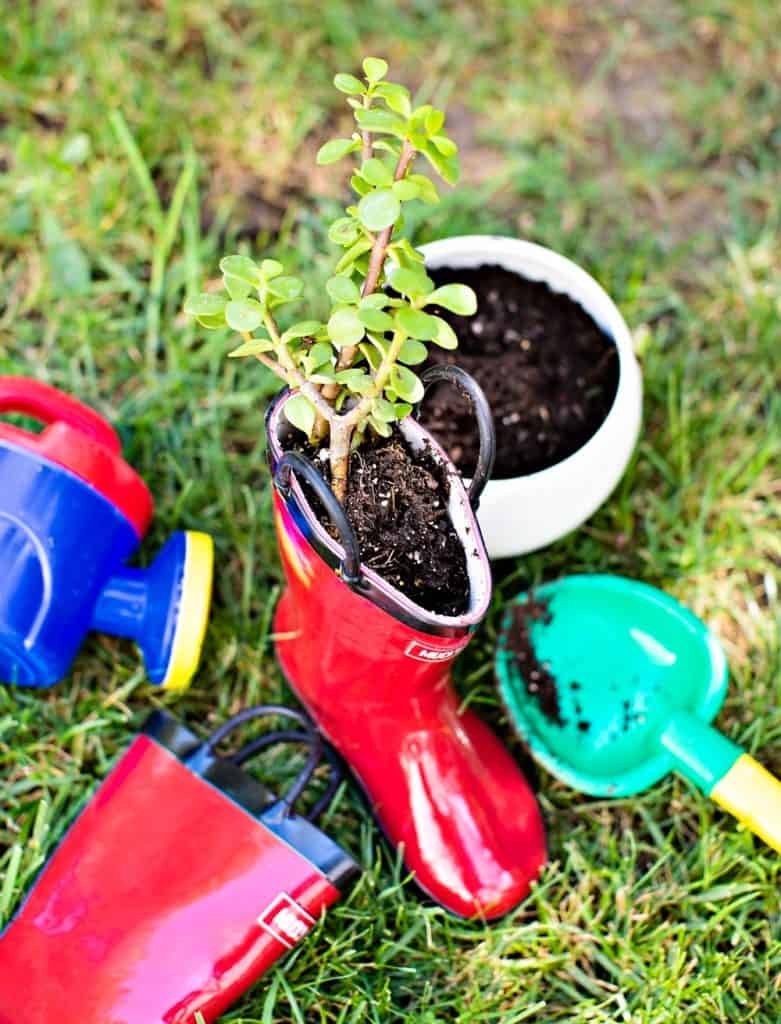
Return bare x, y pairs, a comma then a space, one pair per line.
293, 462
485, 422
293, 736
306, 734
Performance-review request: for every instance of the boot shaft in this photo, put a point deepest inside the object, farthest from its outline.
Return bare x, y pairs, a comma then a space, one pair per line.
178, 885
366, 640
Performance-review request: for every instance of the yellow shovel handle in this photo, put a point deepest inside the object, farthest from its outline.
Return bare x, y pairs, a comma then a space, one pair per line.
753, 795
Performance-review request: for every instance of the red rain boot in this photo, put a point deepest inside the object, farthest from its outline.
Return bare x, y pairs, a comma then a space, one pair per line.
179, 884
373, 668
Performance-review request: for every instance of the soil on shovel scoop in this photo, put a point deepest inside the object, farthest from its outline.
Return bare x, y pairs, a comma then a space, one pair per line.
549, 372
537, 679
535, 675
397, 503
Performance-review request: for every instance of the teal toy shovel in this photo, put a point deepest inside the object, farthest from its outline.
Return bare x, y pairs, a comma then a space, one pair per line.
638, 679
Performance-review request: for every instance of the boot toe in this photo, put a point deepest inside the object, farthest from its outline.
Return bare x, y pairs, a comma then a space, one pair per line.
475, 837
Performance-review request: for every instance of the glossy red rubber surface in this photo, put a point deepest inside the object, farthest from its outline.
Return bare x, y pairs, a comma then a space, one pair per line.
439, 781
78, 439
151, 907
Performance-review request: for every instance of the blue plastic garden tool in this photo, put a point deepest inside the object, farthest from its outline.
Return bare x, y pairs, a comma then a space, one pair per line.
72, 512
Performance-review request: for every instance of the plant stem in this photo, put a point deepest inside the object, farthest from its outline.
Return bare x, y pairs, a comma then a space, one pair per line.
366, 138
295, 379
320, 429
281, 352
341, 433
342, 427
377, 258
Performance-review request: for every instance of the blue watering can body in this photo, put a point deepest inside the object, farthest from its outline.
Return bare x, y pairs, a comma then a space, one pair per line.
71, 513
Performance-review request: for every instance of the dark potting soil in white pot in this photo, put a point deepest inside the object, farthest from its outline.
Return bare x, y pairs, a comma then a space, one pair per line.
550, 373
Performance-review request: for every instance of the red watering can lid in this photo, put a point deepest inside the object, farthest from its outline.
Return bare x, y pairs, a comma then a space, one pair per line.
78, 439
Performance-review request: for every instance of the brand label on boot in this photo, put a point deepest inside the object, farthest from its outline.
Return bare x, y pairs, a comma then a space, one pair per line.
420, 652
286, 920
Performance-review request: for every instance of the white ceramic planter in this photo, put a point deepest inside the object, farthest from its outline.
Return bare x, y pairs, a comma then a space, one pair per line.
525, 513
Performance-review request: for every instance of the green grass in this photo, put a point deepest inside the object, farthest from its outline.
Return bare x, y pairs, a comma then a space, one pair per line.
644, 145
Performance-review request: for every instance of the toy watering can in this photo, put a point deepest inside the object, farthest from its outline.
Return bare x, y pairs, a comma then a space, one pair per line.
180, 883
72, 511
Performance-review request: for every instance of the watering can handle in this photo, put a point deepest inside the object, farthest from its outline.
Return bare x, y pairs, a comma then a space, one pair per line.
485, 423
751, 794
47, 404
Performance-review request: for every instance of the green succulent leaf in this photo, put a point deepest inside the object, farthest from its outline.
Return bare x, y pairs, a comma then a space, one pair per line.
371, 355
427, 190
389, 412
300, 412
252, 348
343, 231
375, 319
447, 167
323, 374
412, 352
205, 304
405, 189
374, 120
417, 323
271, 269
419, 116
321, 353
335, 149
241, 267
363, 245
301, 329
359, 185
458, 298
344, 327
375, 68
376, 300
342, 289
445, 145
383, 410
408, 256
349, 84
380, 427
396, 96
379, 209
244, 315
380, 343
355, 380
212, 323
414, 283
376, 172
236, 288
433, 121
286, 288
445, 337
406, 384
